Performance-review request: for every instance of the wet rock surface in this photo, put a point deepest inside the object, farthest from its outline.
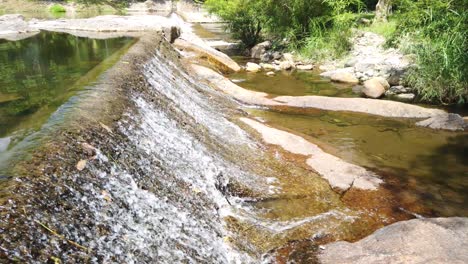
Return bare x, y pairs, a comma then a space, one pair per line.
439, 240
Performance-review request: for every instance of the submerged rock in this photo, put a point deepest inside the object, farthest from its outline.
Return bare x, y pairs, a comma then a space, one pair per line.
405, 97
438, 240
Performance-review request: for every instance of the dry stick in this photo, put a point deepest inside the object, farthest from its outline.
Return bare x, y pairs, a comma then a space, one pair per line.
62, 237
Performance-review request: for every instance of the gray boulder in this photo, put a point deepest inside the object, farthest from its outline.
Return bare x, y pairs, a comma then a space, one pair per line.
451, 122
437, 240
267, 56
258, 50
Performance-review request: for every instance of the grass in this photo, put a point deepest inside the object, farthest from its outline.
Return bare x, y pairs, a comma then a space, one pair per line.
441, 72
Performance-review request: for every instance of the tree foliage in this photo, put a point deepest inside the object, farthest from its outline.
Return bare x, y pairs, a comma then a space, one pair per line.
294, 20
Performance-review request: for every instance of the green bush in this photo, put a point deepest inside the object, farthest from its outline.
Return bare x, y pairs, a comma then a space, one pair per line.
57, 8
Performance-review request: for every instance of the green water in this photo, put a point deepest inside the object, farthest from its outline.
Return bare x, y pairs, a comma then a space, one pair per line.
423, 166
295, 83
39, 74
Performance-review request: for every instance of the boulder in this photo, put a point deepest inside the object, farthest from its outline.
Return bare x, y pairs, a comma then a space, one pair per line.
259, 49
288, 57
384, 82
344, 77
437, 240
270, 73
277, 55
252, 67
452, 122
307, 67
351, 62
373, 88
286, 65
267, 56
395, 77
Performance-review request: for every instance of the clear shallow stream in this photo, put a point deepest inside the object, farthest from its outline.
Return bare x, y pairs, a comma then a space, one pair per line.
425, 166
40, 74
